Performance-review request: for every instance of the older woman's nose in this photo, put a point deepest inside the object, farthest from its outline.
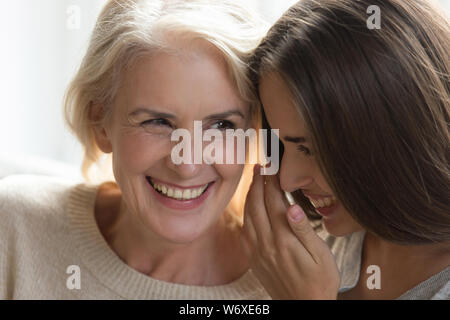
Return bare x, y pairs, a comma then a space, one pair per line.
184, 170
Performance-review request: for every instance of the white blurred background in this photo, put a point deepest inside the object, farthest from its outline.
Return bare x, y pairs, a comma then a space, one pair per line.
41, 49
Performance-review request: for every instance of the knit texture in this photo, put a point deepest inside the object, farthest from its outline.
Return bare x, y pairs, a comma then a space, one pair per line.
47, 224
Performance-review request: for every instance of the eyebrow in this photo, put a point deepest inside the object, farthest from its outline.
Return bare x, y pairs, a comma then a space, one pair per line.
153, 113
295, 139
226, 114
159, 114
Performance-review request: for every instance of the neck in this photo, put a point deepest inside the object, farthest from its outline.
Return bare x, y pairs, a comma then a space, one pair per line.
208, 260
389, 251
403, 266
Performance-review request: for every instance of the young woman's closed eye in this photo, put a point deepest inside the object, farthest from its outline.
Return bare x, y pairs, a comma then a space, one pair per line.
375, 105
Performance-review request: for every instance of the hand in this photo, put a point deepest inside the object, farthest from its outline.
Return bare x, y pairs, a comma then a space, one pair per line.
286, 255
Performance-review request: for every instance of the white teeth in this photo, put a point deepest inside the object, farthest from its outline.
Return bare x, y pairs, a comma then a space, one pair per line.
187, 194
323, 202
179, 194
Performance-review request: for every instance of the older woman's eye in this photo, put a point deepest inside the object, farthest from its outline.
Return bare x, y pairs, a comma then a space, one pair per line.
156, 122
223, 125
159, 127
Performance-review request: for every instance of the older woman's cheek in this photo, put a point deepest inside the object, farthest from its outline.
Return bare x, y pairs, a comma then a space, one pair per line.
137, 153
230, 174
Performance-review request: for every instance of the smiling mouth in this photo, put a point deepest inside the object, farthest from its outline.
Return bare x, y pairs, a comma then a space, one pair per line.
184, 194
323, 202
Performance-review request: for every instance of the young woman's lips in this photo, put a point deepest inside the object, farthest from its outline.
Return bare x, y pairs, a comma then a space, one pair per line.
181, 204
327, 211
324, 211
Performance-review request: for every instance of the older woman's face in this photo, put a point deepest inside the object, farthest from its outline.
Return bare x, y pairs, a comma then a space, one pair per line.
159, 93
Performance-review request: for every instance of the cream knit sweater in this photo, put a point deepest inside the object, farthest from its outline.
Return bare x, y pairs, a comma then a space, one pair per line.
51, 248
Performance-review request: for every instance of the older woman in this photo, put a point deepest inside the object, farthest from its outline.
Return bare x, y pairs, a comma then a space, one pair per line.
364, 119
161, 231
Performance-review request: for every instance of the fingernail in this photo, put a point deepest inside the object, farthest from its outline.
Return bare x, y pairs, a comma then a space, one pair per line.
296, 213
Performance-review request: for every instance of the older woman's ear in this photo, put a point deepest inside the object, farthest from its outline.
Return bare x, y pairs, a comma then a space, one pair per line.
96, 117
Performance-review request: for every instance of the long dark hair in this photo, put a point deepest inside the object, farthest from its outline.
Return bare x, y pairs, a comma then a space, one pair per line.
377, 105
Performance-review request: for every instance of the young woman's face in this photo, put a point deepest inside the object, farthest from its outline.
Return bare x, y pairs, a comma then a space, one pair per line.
299, 168
160, 93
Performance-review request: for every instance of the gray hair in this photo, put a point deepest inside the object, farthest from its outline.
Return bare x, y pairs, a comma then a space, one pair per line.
127, 29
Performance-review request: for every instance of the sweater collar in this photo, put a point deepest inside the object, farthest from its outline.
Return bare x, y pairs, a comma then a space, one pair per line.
103, 263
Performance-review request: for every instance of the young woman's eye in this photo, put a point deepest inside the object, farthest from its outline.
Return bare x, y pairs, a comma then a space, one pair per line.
304, 149
156, 122
223, 125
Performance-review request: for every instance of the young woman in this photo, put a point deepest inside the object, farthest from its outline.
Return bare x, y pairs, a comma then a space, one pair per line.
161, 231
364, 117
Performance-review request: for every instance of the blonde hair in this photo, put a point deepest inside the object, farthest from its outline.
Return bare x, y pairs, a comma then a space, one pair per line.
127, 29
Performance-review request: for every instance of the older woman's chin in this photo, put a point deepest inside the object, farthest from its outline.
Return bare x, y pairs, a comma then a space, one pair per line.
180, 232
179, 220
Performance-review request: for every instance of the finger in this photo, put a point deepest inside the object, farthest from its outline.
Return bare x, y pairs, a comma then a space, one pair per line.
302, 229
255, 208
265, 277
276, 206
249, 239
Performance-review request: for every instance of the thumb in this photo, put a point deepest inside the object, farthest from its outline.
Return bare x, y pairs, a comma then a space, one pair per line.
300, 225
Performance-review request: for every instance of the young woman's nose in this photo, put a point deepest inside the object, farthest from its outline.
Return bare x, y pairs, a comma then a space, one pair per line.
294, 174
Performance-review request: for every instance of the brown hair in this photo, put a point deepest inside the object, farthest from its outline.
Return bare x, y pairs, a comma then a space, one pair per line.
377, 105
